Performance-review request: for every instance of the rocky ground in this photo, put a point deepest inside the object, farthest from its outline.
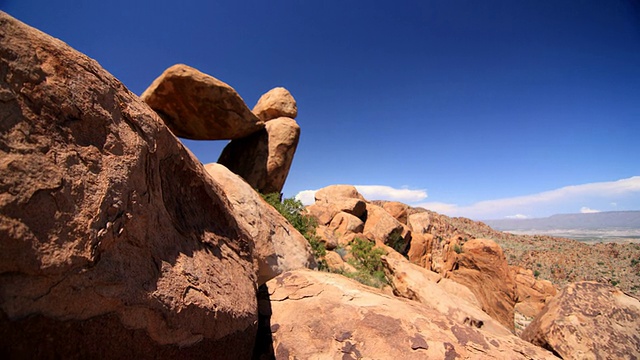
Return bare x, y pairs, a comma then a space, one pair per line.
564, 260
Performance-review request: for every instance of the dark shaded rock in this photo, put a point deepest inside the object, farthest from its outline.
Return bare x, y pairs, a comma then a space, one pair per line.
114, 242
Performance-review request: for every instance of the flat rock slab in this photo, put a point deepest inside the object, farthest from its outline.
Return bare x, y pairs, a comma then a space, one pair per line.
198, 106
588, 320
316, 315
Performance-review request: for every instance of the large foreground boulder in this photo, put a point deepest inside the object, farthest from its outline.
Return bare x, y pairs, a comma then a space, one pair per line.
114, 242
198, 106
588, 320
264, 158
317, 315
279, 247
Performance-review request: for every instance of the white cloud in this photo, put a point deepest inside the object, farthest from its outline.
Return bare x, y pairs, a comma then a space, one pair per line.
381, 192
373, 192
307, 197
586, 210
544, 203
517, 216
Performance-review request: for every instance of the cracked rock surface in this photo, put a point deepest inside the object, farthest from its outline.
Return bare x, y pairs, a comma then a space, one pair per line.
114, 242
316, 315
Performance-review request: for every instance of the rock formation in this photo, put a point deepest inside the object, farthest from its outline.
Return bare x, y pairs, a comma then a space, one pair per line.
264, 158
327, 316
588, 320
482, 267
279, 247
114, 239
277, 102
198, 106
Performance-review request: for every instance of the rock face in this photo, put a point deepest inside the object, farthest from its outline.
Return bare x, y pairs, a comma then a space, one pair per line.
483, 268
114, 239
264, 158
415, 283
279, 247
277, 102
319, 315
197, 106
589, 320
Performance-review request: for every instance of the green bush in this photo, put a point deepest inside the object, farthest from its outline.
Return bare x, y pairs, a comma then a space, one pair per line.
367, 260
536, 273
292, 210
457, 248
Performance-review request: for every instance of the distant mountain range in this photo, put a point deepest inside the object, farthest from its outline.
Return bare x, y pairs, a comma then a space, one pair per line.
610, 220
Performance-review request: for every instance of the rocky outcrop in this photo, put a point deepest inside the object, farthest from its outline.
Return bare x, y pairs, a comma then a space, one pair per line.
415, 283
483, 268
115, 242
327, 316
198, 106
277, 102
264, 158
279, 247
531, 296
588, 320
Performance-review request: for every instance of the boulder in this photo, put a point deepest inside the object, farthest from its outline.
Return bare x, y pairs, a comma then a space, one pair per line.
413, 282
588, 320
396, 209
279, 247
327, 236
336, 263
264, 158
420, 249
383, 227
344, 223
482, 267
318, 315
531, 296
115, 242
332, 193
276, 103
198, 106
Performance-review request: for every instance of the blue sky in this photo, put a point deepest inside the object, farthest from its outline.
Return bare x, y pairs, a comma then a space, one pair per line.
471, 108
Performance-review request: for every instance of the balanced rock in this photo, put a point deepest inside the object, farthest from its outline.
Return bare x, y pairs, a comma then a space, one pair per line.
264, 158
276, 103
198, 106
318, 315
279, 247
115, 242
588, 320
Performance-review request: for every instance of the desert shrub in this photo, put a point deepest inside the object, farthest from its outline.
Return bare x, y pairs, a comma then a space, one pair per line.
536, 273
457, 248
292, 210
367, 260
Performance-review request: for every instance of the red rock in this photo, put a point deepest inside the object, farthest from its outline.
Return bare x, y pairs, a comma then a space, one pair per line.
482, 267
588, 320
318, 315
115, 242
264, 158
279, 247
198, 106
276, 103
